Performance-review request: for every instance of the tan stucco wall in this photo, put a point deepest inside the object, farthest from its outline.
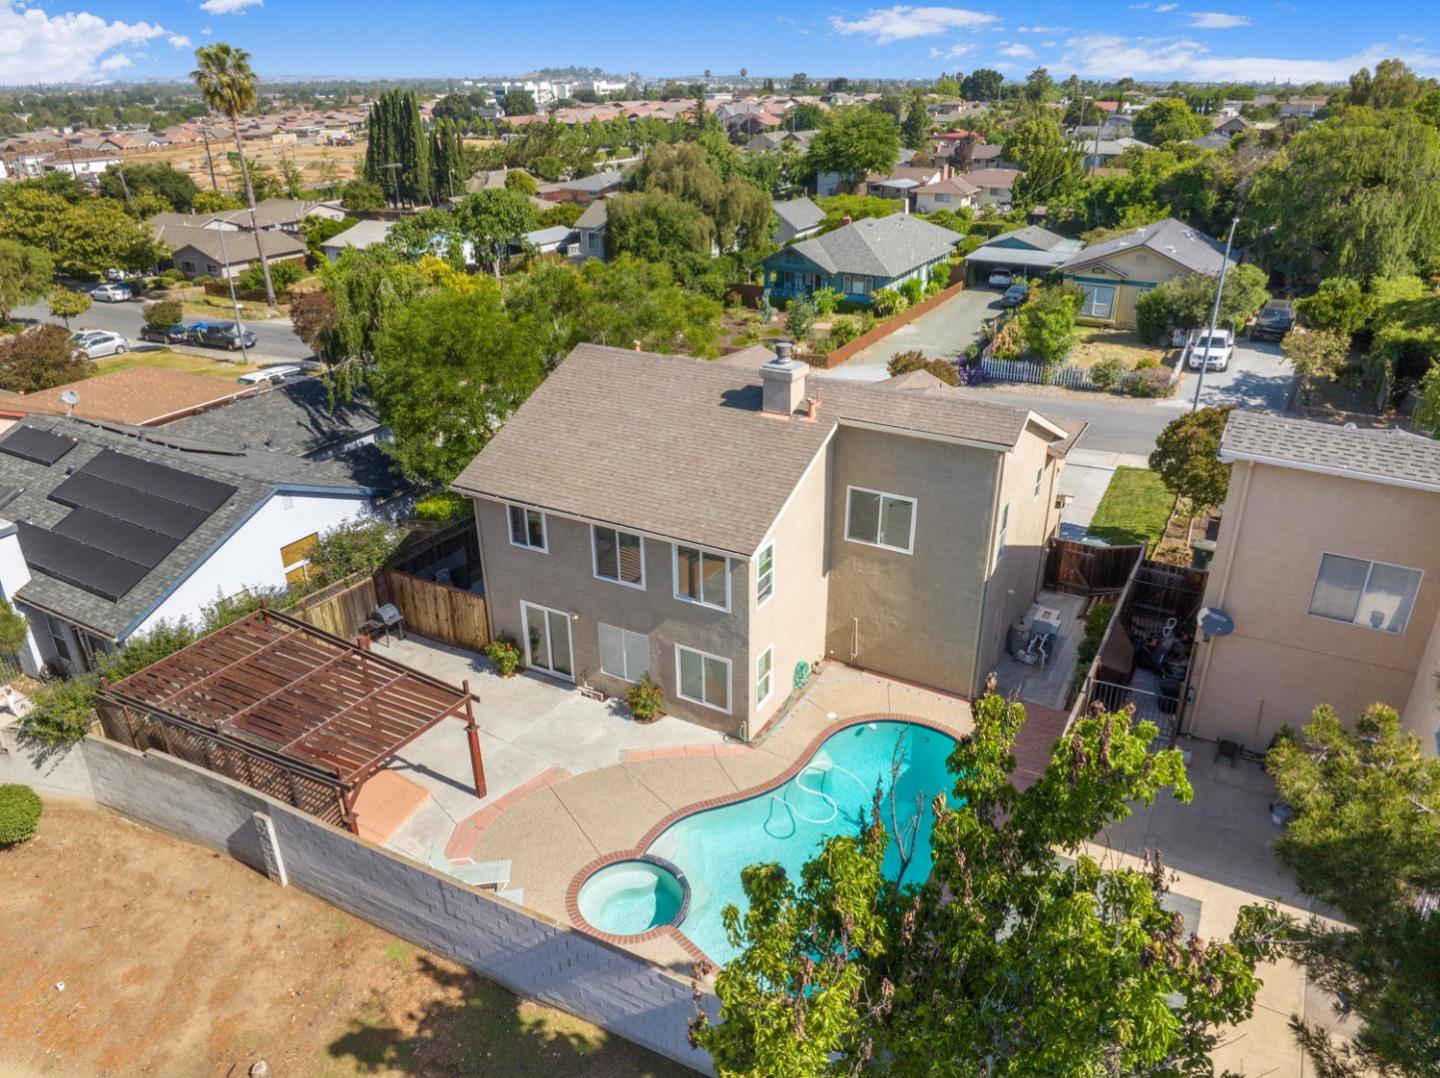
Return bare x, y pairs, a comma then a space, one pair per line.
1422, 710
916, 615
1138, 272
1281, 662
563, 579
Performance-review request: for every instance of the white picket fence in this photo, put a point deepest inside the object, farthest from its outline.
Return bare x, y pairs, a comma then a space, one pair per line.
1024, 370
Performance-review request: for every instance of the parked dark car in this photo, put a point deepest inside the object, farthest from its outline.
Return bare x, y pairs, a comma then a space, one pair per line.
1015, 295
1274, 321
222, 335
176, 334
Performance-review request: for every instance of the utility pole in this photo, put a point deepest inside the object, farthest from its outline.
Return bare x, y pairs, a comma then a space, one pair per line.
230, 278
1214, 313
123, 185
209, 161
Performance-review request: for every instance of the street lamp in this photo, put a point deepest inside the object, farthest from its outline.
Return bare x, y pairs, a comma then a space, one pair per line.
1215, 312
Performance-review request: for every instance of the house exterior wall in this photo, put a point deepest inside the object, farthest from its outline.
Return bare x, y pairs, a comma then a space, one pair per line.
789, 274
1281, 662
927, 201
1131, 274
1421, 715
914, 616
563, 579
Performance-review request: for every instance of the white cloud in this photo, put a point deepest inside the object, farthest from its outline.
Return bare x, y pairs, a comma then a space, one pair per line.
229, 7
1216, 20
1140, 7
1165, 59
206, 31
180, 41
1163, 8
1017, 50
1039, 29
885, 25
960, 48
35, 47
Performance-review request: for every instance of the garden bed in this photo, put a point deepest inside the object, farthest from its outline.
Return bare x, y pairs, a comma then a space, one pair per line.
1093, 344
1184, 528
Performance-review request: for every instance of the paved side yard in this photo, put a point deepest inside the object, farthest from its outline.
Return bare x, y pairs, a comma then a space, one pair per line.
178, 961
943, 333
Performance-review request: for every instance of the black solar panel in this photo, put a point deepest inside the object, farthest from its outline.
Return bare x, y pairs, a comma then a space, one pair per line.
157, 479
75, 563
85, 491
33, 444
114, 536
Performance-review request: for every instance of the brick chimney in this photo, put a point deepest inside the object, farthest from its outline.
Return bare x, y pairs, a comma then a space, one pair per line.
784, 382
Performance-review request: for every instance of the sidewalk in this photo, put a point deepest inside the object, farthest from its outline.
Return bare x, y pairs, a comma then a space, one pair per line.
1085, 477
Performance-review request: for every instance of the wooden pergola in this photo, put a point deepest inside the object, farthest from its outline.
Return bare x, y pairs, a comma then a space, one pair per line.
272, 692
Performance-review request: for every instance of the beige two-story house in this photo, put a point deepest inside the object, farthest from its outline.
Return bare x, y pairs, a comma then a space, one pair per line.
724, 526
1328, 566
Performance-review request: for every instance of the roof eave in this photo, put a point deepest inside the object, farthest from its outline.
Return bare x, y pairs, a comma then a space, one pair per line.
1231, 456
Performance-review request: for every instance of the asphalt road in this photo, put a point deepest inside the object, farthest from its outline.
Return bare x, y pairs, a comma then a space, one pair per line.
273, 339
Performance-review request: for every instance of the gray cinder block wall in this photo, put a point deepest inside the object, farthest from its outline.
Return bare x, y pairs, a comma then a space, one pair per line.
526, 953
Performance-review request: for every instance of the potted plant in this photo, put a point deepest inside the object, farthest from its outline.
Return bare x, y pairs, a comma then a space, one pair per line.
644, 700
505, 654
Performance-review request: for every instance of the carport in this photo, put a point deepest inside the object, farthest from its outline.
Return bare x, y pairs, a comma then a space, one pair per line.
287, 709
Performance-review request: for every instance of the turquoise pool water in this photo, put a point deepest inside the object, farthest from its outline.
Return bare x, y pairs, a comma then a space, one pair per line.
630, 897
788, 824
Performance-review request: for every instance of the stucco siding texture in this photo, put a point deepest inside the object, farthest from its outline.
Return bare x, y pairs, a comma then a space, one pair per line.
563, 579
1141, 269
913, 616
1281, 662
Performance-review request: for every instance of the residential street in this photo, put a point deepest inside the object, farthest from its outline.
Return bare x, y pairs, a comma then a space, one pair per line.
273, 340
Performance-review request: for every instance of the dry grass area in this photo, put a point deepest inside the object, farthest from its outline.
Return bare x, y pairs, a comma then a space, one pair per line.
1094, 343
211, 366
179, 961
312, 161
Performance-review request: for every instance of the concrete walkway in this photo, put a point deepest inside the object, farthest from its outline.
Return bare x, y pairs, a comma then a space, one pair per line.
943, 333
1085, 477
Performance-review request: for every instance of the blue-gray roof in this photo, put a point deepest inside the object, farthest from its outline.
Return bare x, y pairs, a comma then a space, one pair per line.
1185, 246
799, 214
878, 246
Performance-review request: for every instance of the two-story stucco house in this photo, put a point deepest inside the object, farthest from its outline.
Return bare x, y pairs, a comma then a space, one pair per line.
1328, 567
722, 525
1114, 274
860, 258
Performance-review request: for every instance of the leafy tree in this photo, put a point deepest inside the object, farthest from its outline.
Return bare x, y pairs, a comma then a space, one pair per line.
1188, 301
395, 136
175, 187
1356, 194
799, 317
804, 117
1340, 304
1048, 321
228, 86
983, 84
917, 125
67, 303
1428, 107
367, 287
214, 202
25, 274
854, 143
1009, 959
519, 103
41, 357
855, 207
521, 181
1427, 402
429, 232
319, 229
658, 227
1366, 840
1039, 86
314, 319
450, 369
448, 160
164, 312
282, 274
561, 213
362, 196
491, 219
738, 212
1168, 120
1186, 457
1393, 86
1316, 355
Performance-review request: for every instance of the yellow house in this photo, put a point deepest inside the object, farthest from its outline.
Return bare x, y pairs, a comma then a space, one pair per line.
1114, 274
1328, 570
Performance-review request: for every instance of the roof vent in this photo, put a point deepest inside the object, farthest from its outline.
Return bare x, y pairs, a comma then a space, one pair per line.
783, 381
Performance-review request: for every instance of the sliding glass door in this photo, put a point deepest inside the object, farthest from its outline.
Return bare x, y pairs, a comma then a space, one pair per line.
547, 640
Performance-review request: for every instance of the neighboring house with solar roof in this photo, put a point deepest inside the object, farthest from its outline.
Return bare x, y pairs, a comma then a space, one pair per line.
1328, 570
860, 258
724, 526
107, 530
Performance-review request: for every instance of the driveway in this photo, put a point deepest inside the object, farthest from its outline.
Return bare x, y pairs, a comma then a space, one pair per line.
943, 333
1259, 378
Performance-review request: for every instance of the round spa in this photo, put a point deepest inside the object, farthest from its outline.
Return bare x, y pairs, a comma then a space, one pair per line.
631, 897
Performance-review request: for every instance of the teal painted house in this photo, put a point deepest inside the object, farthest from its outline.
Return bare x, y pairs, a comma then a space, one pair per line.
861, 258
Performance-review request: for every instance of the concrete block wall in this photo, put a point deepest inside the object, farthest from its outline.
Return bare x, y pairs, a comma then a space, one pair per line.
56, 772
527, 954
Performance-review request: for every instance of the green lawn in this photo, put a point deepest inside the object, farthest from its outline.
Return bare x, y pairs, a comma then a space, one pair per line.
1135, 509
175, 361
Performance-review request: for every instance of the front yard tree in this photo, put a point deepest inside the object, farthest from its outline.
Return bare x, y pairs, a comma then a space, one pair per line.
491, 219
41, 357
227, 85
1316, 355
1168, 120
1185, 457
1048, 321
1339, 303
1009, 960
917, 124
25, 274
1366, 841
67, 303
855, 143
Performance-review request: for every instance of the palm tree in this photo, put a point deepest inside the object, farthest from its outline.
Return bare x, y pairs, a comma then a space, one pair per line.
227, 85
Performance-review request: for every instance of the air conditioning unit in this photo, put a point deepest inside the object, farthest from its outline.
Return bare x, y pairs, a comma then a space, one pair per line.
1062, 500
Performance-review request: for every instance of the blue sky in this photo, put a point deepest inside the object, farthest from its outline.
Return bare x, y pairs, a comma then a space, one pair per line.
1214, 40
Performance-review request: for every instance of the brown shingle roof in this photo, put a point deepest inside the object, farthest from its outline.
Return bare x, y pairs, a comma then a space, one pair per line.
680, 448
142, 396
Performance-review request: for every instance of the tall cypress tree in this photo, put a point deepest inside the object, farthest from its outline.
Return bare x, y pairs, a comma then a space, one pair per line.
446, 156
396, 136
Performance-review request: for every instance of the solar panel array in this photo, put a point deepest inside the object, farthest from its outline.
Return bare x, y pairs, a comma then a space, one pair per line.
126, 515
36, 445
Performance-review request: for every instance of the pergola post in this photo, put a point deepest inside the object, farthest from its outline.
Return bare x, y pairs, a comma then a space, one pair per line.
473, 735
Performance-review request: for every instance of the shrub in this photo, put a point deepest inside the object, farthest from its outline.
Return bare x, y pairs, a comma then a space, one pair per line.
886, 302
164, 312
905, 362
519, 180
63, 712
1152, 316
940, 275
173, 274
1154, 382
1009, 340
1145, 363
202, 279
844, 330
826, 300
799, 317
912, 290
1109, 373
282, 275
354, 547
39, 358
505, 654
20, 809
1096, 622
644, 700
1049, 321
443, 505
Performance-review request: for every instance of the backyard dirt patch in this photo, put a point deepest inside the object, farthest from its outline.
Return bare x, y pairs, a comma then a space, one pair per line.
1095, 344
176, 960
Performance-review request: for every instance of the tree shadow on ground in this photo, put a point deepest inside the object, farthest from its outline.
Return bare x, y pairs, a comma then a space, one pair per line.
469, 1026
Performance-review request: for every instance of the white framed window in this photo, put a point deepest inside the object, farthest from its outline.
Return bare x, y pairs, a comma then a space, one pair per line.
702, 577
703, 678
1099, 300
765, 574
1039, 478
1003, 535
878, 519
1367, 593
618, 556
624, 654
527, 528
764, 675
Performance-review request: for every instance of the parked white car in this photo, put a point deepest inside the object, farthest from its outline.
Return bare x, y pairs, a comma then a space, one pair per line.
112, 293
99, 343
272, 375
1212, 351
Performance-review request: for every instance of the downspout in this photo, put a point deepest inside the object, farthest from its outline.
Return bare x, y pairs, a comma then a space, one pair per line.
1239, 520
977, 675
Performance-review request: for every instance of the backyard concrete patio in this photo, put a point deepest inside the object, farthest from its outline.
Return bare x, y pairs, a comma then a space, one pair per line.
1048, 686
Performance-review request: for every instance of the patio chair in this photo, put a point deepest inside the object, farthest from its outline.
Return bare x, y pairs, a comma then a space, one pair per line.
1230, 750
492, 874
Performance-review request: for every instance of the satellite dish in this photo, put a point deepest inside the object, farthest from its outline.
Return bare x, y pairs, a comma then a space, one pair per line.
1215, 622
70, 397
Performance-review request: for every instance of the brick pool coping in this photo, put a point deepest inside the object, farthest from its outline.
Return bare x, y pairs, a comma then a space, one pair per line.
572, 892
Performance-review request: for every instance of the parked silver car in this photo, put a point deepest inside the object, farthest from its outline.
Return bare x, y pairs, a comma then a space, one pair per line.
112, 293
99, 343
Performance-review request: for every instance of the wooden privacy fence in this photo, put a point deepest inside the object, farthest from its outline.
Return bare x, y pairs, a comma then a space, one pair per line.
1083, 569
439, 611
342, 607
